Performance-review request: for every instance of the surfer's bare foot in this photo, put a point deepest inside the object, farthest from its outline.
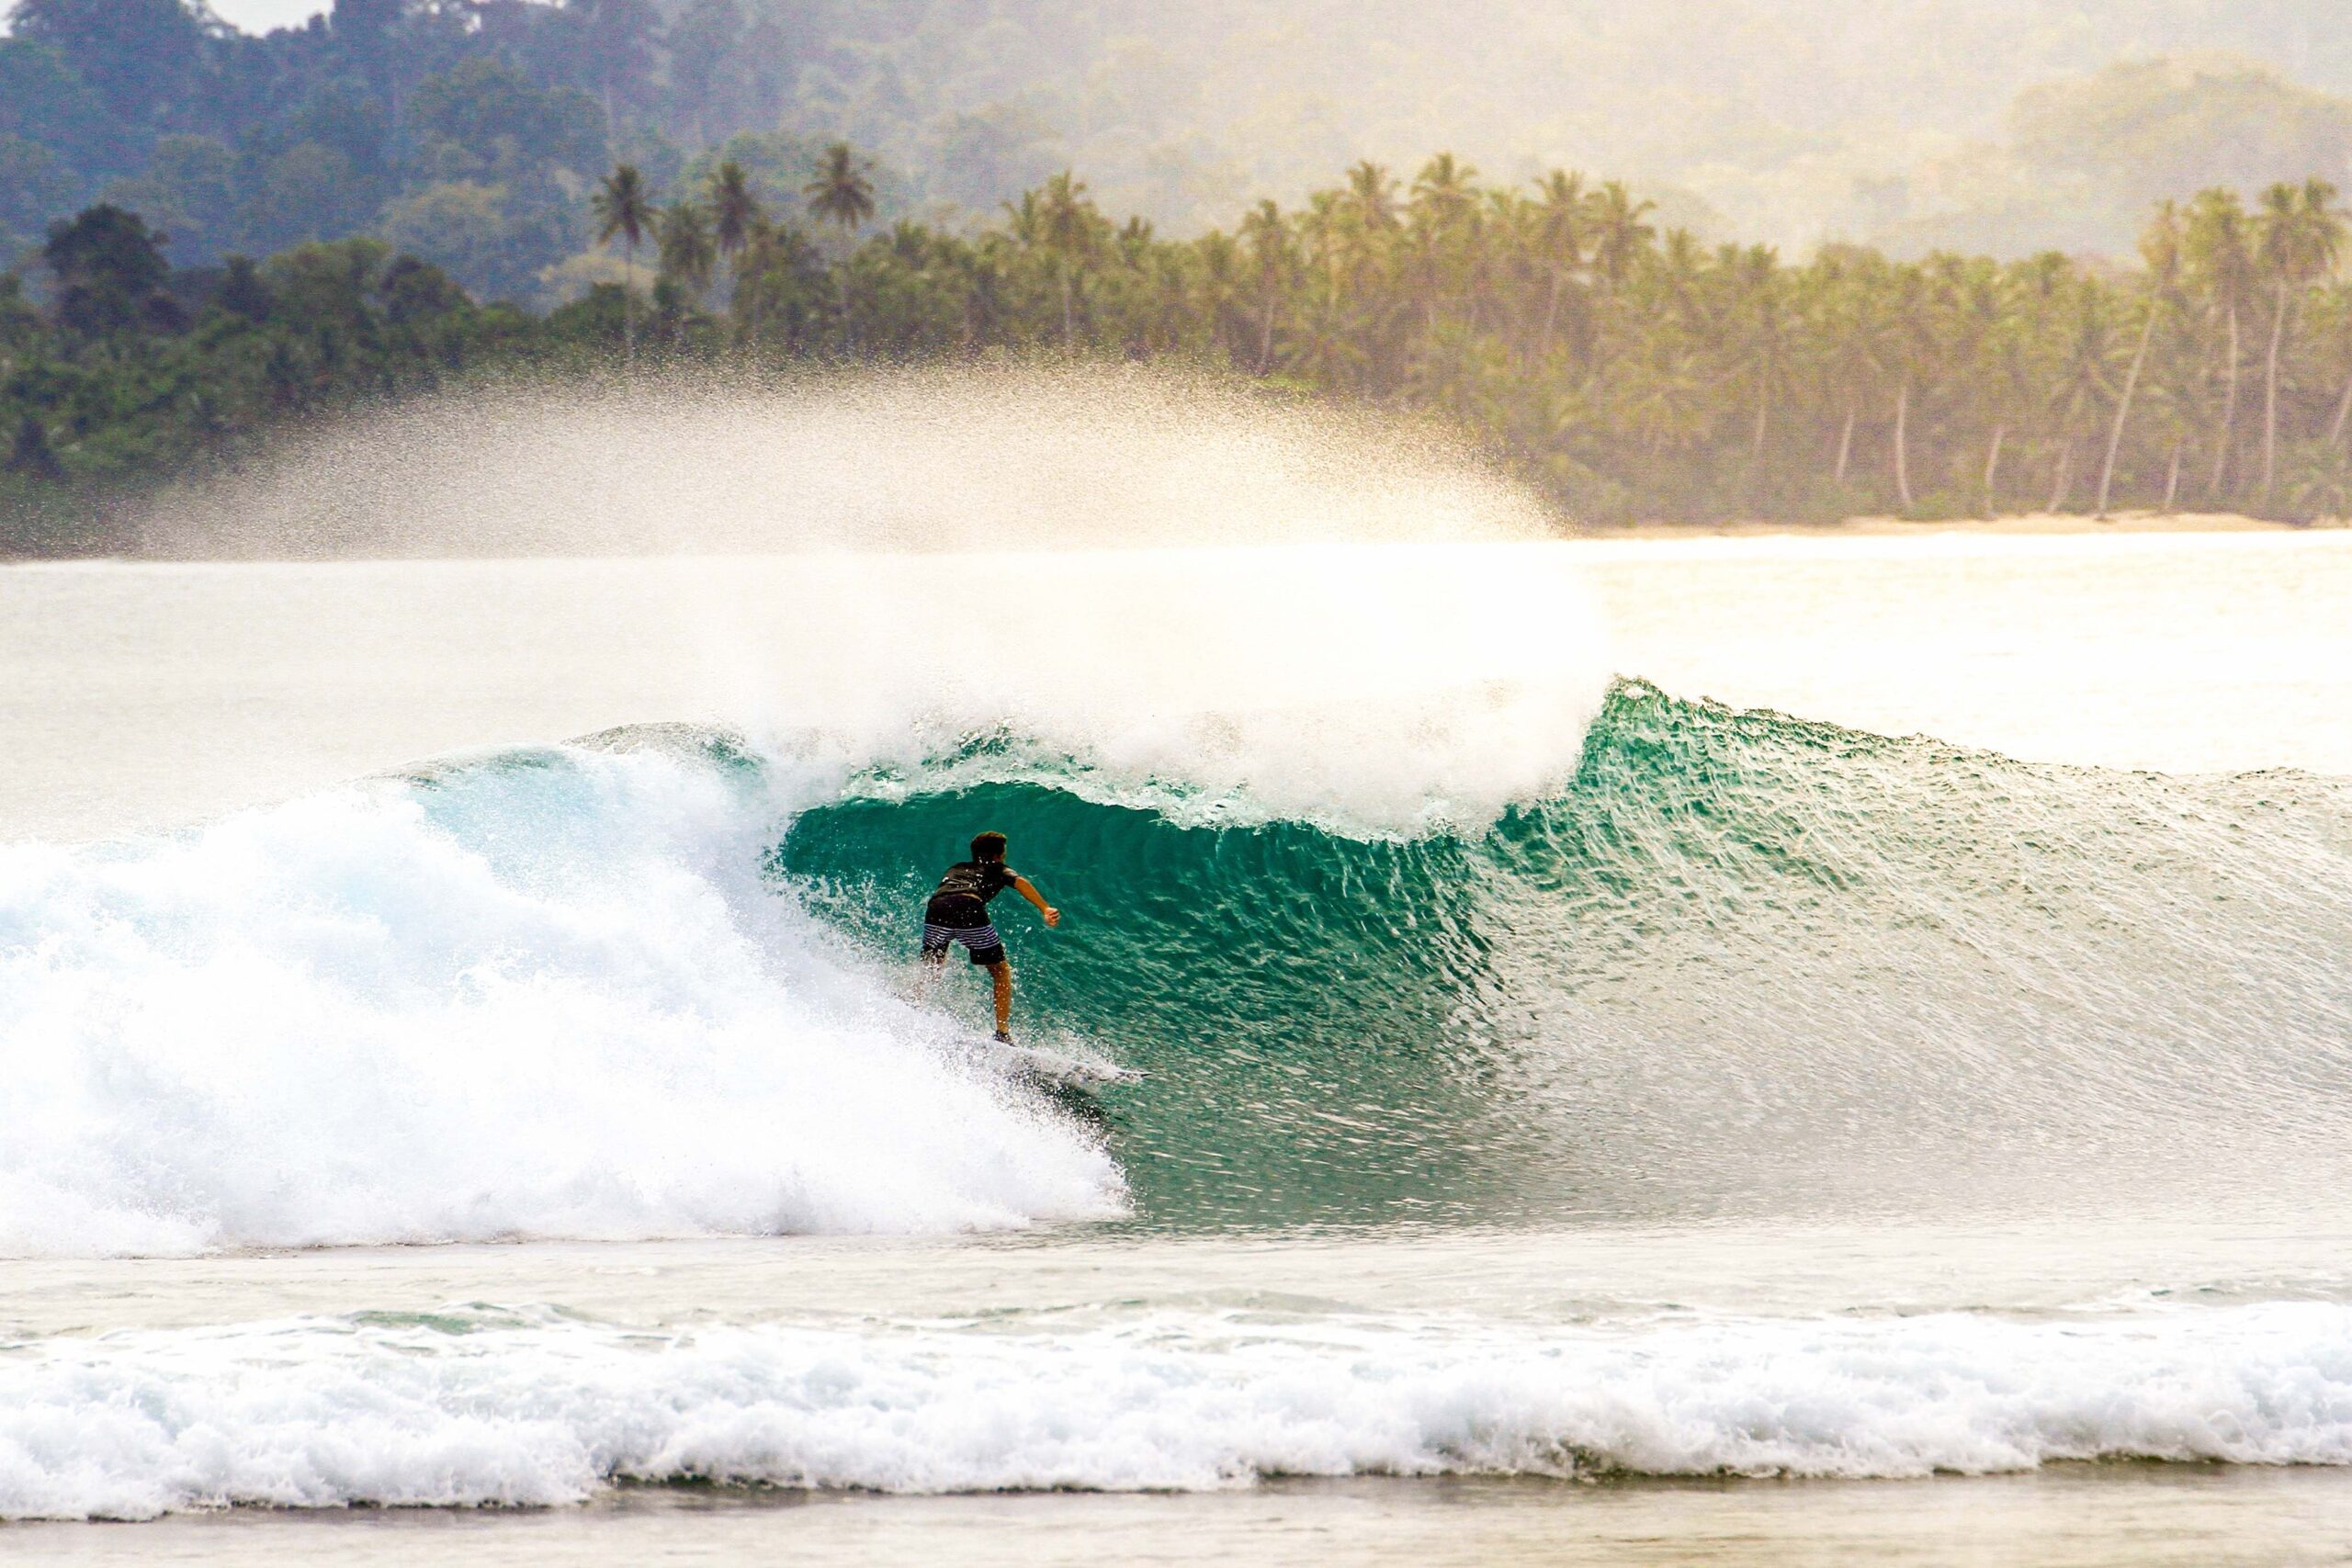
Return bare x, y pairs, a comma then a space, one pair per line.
1002, 1038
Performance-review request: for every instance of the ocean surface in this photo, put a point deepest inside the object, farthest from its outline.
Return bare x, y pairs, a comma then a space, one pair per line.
1802, 1051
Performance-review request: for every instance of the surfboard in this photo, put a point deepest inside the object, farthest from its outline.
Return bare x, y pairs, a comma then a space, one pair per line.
1062, 1072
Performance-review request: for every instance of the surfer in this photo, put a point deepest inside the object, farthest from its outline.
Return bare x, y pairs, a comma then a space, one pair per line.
958, 911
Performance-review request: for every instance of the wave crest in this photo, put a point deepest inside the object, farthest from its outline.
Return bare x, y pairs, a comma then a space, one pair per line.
477, 1406
550, 996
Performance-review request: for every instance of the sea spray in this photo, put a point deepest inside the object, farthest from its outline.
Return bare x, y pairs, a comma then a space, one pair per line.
992, 457
547, 996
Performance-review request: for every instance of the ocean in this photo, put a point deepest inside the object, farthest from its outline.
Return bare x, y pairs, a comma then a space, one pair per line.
1761, 1050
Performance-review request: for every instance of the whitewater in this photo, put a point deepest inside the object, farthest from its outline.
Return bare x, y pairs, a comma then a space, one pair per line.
1837, 1012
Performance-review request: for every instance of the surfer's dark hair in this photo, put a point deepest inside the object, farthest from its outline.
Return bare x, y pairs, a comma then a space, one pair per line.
989, 846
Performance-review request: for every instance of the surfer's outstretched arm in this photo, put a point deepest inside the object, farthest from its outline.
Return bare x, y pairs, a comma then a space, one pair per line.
1021, 884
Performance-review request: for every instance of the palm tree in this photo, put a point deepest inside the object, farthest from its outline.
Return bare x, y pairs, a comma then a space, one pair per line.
2214, 249
1371, 196
686, 248
841, 194
1760, 355
2160, 247
1443, 208
781, 270
1068, 225
1854, 332
1560, 234
1443, 190
1618, 234
623, 208
1914, 312
839, 191
735, 214
1368, 214
1268, 238
2082, 377
2299, 235
2340, 298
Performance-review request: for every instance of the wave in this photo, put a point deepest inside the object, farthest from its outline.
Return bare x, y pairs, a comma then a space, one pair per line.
548, 994
653, 984
1742, 961
480, 1406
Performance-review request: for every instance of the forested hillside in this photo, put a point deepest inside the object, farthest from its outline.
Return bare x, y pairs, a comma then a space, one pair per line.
469, 131
1629, 369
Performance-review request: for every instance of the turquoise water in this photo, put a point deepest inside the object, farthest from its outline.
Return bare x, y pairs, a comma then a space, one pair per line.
1745, 962
1584, 1114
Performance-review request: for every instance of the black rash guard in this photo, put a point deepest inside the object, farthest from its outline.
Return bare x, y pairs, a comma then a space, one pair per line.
962, 895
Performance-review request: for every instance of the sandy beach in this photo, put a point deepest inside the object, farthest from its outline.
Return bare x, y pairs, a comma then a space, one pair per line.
2029, 522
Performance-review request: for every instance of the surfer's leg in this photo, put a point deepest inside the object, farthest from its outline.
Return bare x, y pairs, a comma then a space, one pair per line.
933, 962
1001, 973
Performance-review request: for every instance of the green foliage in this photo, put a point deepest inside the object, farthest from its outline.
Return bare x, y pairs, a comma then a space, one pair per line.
2319, 482
776, 166
1792, 122
34, 181
136, 56
479, 234
110, 274
190, 191
1618, 362
41, 98
486, 119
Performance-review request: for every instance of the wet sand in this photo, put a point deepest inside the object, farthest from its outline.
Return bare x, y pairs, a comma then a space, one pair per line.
2079, 1516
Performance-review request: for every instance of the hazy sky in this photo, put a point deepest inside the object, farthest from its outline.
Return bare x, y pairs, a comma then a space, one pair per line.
260, 15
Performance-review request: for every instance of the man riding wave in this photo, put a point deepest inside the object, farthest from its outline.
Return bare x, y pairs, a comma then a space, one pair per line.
958, 912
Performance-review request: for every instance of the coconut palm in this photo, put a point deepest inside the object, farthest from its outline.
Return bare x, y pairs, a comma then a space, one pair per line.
839, 191
2160, 247
1761, 350
735, 214
781, 273
1560, 232
683, 240
2339, 301
1619, 235
2084, 364
1267, 238
1372, 198
623, 210
687, 251
2214, 250
1443, 216
1913, 315
841, 194
1068, 227
2298, 237
1443, 190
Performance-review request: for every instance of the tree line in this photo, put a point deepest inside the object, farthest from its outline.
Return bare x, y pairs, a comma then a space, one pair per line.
1633, 369
1627, 369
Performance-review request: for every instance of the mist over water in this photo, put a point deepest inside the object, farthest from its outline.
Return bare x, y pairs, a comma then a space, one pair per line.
993, 456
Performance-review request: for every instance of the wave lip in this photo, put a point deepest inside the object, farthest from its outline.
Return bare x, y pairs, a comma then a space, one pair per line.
481, 1407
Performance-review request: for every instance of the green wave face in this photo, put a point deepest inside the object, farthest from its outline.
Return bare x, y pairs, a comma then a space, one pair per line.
1743, 963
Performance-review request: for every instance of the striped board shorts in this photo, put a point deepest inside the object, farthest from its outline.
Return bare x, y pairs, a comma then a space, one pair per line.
981, 940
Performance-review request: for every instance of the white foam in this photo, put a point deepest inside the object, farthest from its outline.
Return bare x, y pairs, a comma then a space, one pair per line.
545, 999
1387, 687
539, 1408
